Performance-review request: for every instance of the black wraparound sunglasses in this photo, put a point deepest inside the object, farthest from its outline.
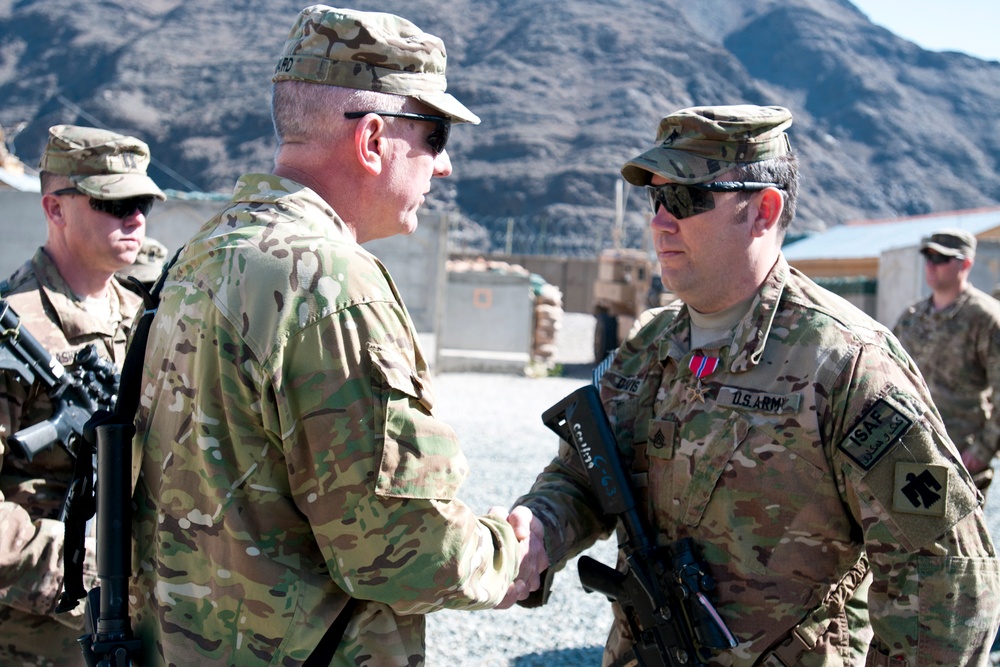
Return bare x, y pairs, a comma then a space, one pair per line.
684, 201
436, 139
120, 208
938, 259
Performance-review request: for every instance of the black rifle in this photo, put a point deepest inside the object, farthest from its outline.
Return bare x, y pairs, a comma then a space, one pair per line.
108, 640
75, 395
663, 589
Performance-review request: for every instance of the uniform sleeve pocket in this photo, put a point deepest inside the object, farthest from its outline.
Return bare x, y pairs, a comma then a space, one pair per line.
420, 455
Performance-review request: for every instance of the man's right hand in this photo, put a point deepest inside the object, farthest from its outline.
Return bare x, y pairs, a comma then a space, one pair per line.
533, 560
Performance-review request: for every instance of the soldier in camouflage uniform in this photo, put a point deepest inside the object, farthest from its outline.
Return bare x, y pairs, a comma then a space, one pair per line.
290, 454
954, 338
783, 430
96, 195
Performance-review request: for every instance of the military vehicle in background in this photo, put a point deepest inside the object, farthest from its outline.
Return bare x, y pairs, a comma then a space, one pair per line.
628, 282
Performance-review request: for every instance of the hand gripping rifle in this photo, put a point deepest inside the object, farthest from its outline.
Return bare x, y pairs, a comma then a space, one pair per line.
75, 395
663, 589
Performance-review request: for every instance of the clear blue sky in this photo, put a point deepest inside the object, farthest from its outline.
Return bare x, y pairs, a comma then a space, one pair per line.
968, 26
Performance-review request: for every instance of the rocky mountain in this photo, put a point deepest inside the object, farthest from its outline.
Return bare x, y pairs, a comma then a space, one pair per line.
567, 92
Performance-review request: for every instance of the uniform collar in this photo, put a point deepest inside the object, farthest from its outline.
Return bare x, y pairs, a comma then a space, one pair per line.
750, 335
289, 196
73, 318
952, 308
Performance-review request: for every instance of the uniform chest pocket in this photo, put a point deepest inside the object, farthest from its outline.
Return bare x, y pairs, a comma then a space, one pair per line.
739, 488
683, 473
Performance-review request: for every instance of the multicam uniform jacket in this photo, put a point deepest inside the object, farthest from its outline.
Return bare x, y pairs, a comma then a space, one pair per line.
958, 352
31, 537
290, 456
812, 443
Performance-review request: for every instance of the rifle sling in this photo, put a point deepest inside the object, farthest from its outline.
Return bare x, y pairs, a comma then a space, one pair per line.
81, 506
322, 655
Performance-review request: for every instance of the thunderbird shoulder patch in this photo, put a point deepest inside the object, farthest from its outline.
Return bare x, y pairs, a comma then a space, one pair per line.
874, 434
921, 488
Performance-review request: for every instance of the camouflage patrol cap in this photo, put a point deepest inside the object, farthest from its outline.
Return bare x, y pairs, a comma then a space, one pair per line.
370, 51
100, 163
695, 145
950, 243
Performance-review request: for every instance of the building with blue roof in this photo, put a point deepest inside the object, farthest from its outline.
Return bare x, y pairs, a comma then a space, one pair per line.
876, 264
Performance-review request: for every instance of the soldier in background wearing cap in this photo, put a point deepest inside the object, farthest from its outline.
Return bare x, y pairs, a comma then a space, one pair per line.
779, 427
95, 196
291, 459
954, 338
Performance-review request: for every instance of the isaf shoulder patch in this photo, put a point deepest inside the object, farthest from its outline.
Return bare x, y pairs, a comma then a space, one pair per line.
876, 431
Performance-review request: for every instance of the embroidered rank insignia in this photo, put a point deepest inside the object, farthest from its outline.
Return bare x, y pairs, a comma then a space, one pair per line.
874, 434
920, 488
662, 433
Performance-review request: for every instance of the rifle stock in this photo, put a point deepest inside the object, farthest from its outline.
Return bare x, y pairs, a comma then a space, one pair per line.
663, 589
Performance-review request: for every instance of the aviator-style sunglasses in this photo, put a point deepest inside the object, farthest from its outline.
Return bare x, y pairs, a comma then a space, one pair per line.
683, 201
436, 139
120, 208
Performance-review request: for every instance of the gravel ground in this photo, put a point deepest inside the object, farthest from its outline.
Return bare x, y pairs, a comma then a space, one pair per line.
498, 420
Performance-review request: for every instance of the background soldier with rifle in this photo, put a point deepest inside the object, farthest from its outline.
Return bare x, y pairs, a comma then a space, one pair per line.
783, 431
96, 196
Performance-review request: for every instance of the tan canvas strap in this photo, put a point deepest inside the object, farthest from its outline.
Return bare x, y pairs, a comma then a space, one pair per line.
803, 637
788, 652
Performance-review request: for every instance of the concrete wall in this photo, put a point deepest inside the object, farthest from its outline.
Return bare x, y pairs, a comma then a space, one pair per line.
22, 228
487, 322
901, 278
417, 265
574, 276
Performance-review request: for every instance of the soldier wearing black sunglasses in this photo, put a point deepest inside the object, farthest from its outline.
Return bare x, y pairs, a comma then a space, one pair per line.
437, 139
118, 208
95, 197
953, 336
781, 429
325, 408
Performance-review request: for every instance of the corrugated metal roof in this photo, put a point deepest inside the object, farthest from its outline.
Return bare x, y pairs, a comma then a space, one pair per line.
871, 239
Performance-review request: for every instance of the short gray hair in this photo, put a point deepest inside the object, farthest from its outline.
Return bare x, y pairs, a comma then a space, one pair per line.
302, 110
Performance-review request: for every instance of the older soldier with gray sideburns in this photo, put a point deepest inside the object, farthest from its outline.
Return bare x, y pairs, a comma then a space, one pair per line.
294, 475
